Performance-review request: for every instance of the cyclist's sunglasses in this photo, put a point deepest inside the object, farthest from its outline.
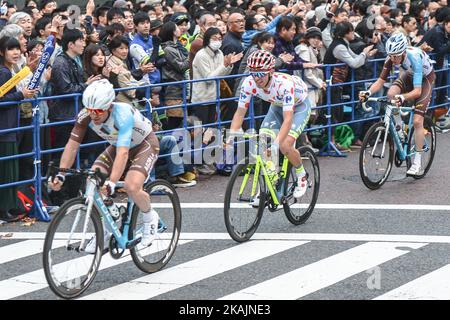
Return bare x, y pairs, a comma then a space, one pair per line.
98, 112
259, 74
395, 56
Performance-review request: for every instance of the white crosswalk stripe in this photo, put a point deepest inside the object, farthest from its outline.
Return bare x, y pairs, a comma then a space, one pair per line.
24, 249
315, 276
196, 270
432, 286
369, 251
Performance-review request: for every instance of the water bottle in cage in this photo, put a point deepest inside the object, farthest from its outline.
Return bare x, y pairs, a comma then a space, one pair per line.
399, 125
113, 209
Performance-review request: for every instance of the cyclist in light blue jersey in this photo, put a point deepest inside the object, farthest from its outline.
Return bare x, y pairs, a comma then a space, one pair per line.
133, 149
415, 83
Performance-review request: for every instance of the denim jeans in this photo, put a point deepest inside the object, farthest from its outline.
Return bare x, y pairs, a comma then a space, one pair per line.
168, 145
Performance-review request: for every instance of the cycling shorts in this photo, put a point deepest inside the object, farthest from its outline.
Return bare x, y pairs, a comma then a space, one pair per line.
140, 158
405, 83
274, 119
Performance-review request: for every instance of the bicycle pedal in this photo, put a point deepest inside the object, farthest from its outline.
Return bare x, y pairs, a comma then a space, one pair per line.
133, 243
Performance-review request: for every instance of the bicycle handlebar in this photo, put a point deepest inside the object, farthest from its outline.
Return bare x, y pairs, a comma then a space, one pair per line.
97, 174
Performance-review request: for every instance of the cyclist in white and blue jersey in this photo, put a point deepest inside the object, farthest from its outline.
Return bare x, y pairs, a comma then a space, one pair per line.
415, 83
133, 149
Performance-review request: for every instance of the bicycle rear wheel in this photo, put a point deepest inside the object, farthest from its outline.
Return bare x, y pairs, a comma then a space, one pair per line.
165, 201
430, 147
242, 208
69, 270
373, 168
298, 210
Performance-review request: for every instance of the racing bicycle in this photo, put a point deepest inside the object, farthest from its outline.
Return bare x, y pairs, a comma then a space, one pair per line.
253, 186
69, 269
382, 146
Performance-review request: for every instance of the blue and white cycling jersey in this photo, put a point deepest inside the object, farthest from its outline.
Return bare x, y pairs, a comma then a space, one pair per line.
125, 126
416, 62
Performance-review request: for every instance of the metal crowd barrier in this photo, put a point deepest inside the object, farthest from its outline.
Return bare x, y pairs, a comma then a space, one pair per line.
329, 149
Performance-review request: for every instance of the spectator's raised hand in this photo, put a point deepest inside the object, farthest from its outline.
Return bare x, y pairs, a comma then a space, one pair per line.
369, 51
147, 68
56, 23
286, 57
93, 78
48, 73
90, 7
426, 47
235, 57
28, 94
33, 59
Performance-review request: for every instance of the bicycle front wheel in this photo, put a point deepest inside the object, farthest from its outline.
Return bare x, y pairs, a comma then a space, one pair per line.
429, 146
69, 269
244, 202
375, 163
298, 210
165, 201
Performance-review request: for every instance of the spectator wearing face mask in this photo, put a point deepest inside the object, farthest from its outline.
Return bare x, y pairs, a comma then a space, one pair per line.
206, 21
209, 63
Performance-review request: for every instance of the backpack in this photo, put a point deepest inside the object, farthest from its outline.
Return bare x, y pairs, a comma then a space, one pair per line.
344, 135
25, 198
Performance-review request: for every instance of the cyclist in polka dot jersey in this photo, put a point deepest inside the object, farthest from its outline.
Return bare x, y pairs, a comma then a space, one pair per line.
289, 111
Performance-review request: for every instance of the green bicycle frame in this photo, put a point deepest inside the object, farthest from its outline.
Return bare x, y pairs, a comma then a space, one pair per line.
275, 194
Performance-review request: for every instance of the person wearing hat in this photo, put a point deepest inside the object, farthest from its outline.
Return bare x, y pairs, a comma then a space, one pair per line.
182, 20
308, 51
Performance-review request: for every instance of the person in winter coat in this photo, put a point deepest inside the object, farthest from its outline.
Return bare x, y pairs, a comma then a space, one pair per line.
308, 51
9, 169
117, 60
175, 69
210, 62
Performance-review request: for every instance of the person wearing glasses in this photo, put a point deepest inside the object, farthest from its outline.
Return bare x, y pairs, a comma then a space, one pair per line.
414, 84
133, 149
289, 110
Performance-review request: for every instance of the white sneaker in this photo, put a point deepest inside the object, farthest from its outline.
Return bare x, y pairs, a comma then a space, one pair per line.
414, 170
92, 244
150, 230
302, 186
255, 202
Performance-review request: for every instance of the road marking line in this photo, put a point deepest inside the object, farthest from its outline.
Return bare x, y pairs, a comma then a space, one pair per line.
337, 206
431, 286
193, 271
24, 249
281, 236
324, 273
33, 281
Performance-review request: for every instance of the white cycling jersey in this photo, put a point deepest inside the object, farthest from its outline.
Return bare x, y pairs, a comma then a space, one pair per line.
284, 91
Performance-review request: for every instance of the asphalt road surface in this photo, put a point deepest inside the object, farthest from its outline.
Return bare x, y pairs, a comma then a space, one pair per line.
393, 243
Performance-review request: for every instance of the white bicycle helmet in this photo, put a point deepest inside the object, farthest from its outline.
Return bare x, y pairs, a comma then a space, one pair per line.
99, 95
396, 44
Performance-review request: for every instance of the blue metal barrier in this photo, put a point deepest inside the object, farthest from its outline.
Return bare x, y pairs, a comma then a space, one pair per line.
329, 149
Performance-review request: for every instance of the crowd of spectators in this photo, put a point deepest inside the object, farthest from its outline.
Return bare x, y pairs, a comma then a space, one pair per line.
136, 43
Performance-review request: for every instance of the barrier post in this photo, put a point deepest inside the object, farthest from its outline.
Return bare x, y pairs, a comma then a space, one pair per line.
329, 149
447, 64
38, 211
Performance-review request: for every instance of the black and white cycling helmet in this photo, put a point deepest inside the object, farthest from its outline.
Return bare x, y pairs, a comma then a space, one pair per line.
99, 95
396, 44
